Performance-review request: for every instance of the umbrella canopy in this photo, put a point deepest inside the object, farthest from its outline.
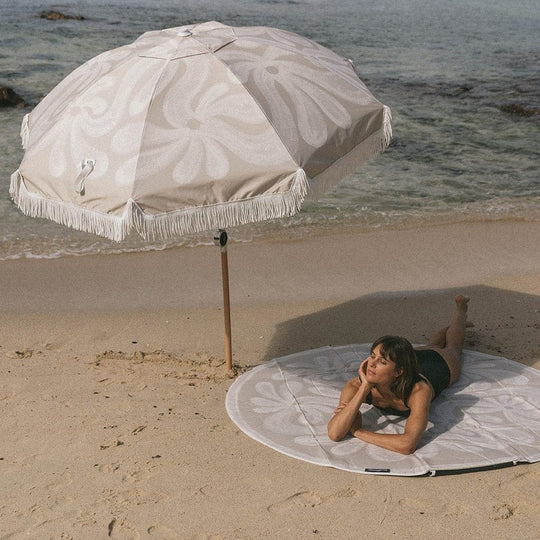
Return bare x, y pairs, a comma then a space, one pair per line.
193, 128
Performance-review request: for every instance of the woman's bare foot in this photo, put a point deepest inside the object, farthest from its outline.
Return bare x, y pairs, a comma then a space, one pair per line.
455, 337
461, 302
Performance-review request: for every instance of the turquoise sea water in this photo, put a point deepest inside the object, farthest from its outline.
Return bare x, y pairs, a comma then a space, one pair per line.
449, 71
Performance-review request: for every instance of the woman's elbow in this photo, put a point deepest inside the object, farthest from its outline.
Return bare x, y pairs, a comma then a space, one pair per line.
334, 436
407, 448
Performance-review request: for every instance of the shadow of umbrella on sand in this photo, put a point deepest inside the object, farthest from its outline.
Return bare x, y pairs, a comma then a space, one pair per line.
201, 127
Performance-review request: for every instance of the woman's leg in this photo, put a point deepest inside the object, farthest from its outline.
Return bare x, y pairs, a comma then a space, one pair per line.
455, 337
437, 339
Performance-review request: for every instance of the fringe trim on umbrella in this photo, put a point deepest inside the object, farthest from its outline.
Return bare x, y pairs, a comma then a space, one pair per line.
70, 215
221, 216
161, 226
375, 144
387, 125
25, 131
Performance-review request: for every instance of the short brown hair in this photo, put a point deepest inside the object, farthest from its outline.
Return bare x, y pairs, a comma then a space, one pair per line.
400, 351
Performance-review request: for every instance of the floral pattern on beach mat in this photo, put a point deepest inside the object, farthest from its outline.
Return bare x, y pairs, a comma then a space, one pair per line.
490, 417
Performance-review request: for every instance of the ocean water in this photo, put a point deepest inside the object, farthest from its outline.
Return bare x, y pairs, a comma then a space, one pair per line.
452, 73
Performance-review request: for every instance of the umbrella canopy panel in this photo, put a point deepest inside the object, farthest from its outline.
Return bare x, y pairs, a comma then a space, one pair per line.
194, 128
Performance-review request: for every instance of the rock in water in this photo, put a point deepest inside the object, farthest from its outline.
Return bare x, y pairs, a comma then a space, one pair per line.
9, 98
57, 16
518, 110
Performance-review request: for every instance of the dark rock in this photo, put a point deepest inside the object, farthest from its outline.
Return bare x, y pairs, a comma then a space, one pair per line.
518, 110
464, 88
8, 98
57, 16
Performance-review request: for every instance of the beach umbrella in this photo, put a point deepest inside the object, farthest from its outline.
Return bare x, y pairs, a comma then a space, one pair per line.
200, 127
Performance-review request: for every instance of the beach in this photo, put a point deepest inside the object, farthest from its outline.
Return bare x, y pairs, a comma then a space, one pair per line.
113, 384
112, 370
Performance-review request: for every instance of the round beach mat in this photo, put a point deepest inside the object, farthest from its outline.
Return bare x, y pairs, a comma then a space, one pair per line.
490, 417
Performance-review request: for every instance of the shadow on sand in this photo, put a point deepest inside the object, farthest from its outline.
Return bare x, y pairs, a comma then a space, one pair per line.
506, 322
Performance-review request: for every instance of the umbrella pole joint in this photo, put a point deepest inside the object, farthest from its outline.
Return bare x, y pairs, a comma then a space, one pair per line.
221, 241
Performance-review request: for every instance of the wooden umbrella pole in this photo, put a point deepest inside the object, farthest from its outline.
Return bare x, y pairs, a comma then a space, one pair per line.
226, 300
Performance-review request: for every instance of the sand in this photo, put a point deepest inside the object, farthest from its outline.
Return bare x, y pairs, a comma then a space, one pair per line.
113, 385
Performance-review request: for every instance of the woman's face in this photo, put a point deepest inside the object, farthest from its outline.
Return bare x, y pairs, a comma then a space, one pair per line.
380, 370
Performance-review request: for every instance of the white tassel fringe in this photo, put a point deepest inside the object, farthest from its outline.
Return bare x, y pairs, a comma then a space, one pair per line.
221, 216
161, 226
70, 215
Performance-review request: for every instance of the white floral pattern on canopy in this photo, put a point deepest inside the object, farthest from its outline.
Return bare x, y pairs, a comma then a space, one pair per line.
490, 417
196, 128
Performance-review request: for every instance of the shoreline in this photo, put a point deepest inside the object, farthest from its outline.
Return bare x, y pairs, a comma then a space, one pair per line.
335, 265
268, 232
112, 385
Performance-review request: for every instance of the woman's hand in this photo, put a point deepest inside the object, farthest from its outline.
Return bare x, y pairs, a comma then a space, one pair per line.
362, 374
348, 409
407, 442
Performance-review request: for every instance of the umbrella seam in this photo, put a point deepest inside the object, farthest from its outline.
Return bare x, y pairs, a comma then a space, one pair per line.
143, 131
259, 106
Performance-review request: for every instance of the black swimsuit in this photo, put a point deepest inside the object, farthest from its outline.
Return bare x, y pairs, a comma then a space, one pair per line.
434, 368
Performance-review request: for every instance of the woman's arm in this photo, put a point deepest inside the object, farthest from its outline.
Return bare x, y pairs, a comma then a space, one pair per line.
406, 442
354, 393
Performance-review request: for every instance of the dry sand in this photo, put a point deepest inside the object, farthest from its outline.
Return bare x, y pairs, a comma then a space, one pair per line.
112, 385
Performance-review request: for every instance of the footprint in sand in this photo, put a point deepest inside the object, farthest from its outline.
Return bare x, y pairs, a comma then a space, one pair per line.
344, 494
311, 499
122, 529
60, 482
434, 507
502, 511
6, 394
23, 353
111, 444
136, 476
302, 498
160, 532
58, 501
109, 467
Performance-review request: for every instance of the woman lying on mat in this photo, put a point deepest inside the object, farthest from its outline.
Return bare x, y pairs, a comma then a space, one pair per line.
398, 379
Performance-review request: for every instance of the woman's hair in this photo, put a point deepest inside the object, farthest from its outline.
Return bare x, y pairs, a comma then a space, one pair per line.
401, 352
